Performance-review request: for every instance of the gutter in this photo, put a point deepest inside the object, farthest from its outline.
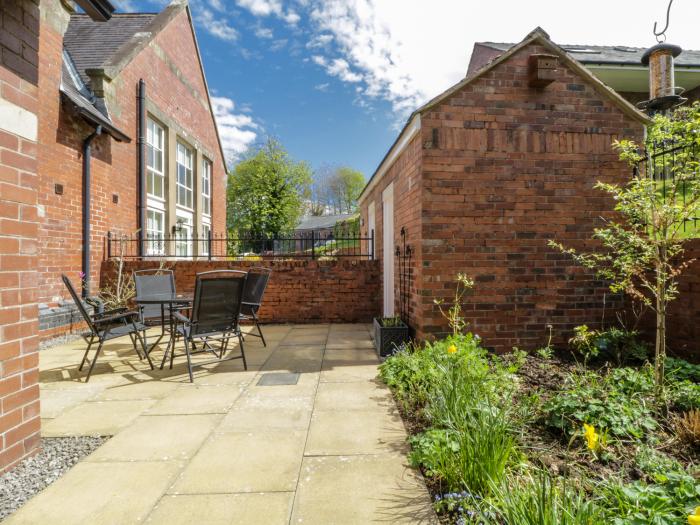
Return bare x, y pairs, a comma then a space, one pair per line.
141, 160
87, 175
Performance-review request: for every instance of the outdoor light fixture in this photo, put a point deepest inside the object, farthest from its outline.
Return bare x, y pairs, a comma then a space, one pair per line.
178, 226
663, 93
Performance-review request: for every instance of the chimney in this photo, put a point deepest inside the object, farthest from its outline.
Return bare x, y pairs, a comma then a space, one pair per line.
663, 93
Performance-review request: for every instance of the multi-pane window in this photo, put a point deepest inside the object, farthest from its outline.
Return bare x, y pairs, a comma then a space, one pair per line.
206, 231
183, 238
155, 160
155, 232
206, 187
185, 176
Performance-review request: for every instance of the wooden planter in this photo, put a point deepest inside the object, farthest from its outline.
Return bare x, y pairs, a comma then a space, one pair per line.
388, 339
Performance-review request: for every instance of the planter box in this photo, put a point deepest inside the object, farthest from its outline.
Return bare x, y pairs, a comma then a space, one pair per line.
388, 339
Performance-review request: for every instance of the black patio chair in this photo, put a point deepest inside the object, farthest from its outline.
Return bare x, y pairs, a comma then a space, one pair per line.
150, 282
252, 297
214, 316
107, 325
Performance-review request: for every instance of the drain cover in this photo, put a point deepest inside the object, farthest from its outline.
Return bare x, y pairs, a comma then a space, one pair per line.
277, 379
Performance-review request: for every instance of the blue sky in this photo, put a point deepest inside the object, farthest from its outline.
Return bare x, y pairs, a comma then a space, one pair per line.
334, 80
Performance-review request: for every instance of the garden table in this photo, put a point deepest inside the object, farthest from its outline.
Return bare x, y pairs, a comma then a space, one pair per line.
170, 302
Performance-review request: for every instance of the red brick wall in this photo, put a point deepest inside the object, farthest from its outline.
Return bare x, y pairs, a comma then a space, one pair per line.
344, 291
515, 167
512, 168
175, 87
19, 389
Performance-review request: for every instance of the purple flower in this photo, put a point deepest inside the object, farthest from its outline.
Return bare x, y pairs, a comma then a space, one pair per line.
82, 275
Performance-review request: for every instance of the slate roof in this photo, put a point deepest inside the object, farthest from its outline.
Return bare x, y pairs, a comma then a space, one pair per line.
323, 221
622, 55
91, 44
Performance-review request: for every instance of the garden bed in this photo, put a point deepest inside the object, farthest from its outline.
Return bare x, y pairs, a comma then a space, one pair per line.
520, 419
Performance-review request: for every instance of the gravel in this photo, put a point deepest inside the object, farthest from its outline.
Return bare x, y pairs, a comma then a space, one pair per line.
34, 474
56, 341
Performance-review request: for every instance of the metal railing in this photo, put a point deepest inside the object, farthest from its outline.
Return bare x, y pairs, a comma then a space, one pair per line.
667, 161
310, 244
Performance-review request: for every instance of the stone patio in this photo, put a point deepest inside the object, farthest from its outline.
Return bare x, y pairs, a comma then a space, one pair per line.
329, 449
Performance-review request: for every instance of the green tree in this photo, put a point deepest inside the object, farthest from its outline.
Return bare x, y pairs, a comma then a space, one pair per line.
266, 192
642, 249
336, 190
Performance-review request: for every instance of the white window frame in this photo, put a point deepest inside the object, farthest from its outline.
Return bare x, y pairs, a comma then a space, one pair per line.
206, 228
184, 234
153, 247
184, 153
207, 168
159, 149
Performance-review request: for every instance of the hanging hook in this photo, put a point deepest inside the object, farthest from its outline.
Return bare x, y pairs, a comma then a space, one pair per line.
661, 35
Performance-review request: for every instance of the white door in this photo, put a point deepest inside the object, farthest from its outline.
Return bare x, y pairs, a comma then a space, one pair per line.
388, 255
371, 226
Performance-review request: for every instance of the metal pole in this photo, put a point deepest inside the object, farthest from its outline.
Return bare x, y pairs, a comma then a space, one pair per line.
372, 246
209, 244
109, 245
313, 247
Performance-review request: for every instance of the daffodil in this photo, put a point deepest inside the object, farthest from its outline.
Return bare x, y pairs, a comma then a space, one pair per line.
592, 437
694, 518
452, 349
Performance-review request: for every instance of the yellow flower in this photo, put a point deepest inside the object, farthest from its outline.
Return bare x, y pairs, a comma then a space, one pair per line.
694, 519
452, 349
592, 437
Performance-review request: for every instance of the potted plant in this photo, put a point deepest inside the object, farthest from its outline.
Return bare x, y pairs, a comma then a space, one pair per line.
390, 334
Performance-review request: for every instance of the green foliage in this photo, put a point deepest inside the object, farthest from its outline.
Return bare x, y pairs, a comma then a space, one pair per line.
618, 403
667, 501
680, 370
540, 500
266, 192
614, 344
453, 314
642, 251
335, 190
391, 322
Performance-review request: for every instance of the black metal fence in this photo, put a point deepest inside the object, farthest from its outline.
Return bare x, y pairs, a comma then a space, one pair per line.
675, 167
298, 245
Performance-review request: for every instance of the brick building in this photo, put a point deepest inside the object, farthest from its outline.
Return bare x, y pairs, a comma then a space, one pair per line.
20, 98
105, 89
482, 176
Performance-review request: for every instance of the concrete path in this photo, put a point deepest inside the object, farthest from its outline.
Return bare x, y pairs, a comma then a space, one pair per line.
329, 449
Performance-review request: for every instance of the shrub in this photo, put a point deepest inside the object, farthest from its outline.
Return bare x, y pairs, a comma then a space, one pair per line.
668, 501
617, 403
614, 344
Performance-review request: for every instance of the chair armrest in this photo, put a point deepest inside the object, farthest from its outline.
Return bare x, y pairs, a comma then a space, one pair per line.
123, 316
114, 311
179, 317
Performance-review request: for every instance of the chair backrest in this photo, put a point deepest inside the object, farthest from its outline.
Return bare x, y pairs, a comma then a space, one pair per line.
78, 302
255, 285
153, 281
217, 301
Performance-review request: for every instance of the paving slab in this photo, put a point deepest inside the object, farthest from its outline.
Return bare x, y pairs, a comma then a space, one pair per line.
341, 366
360, 395
55, 402
152, 389
96, 418
224, 509
158, 438
104, 493
240, 419
195, 399
361, 489
264, 461
348, 432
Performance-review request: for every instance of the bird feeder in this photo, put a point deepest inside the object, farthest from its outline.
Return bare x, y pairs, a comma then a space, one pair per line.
663, 92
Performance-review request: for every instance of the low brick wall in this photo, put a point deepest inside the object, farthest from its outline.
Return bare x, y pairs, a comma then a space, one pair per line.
344, 291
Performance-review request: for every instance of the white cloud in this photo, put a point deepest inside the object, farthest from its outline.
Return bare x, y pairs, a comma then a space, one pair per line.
319, 41
270, 7
215, 25
337, 67
264, 32
322, 87
238, 131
